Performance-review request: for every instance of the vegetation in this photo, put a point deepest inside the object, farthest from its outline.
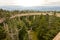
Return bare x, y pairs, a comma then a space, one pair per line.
42, 27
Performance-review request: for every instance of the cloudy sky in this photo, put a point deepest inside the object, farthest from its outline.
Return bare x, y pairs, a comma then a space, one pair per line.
30, 2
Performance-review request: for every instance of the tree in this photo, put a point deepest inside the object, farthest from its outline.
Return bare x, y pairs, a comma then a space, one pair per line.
2, 33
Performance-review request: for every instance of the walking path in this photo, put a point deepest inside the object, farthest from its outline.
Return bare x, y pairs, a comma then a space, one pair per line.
28, 14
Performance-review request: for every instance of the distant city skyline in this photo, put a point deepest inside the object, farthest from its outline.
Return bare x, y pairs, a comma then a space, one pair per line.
29, 3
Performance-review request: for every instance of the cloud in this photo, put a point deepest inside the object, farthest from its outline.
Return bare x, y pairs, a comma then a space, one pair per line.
31, 2
52, 3
7, 2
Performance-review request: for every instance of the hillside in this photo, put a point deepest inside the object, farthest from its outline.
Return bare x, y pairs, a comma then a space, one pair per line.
36, 8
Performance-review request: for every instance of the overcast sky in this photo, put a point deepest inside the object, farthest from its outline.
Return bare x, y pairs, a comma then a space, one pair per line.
30, 2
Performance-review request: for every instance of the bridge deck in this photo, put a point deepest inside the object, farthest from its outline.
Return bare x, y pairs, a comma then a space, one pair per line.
28, 14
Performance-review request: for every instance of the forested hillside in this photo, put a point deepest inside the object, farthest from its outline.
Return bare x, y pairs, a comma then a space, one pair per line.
33, 27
